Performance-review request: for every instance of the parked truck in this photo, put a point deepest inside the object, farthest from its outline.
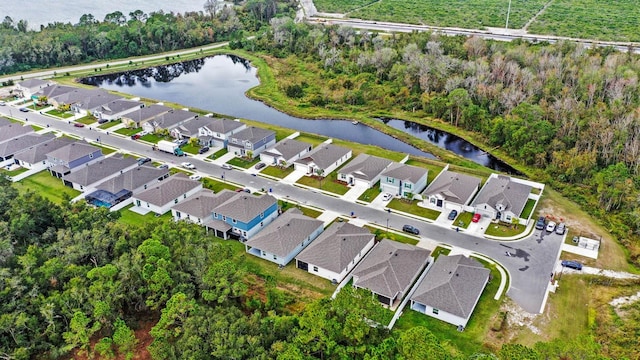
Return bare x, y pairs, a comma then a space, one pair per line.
170, 147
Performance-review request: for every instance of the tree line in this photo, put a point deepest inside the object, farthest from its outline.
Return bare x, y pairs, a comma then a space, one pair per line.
570, 114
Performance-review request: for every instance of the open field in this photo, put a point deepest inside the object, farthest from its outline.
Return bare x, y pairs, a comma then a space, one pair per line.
590, 19
340, 6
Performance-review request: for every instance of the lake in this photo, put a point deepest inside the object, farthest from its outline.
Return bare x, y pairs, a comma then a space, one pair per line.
218, 84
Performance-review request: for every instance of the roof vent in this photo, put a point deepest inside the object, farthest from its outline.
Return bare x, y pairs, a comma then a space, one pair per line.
457, 274
449, 272
396, 254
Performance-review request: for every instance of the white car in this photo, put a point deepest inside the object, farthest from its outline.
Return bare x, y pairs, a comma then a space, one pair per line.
227, 167
551, 226
195, 177
188, 165
386, 197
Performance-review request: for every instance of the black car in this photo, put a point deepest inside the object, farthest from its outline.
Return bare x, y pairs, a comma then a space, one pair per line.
143, 161
452, 215
572, 264
411, 230
163, 166
540, 224
23, 109
203, 150
102, 121
260, 165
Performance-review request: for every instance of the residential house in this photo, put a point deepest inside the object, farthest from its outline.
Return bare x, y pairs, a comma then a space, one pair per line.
95, 101
29, 87
364, 170
52, 92
403, 180
93, 173
336, 251
121, 187
502, 198
13, 130
161, 197
390, 269
285, 237
35, 157
4, 122
140, 116
168, 120
251, 141
79, 98
116, 109
243, 215
323, 159
285, 152
9, 149
68, 158
451, 190
451, 289
210, 132
198, 208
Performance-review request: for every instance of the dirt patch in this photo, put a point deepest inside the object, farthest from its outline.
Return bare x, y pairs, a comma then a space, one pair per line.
518, 325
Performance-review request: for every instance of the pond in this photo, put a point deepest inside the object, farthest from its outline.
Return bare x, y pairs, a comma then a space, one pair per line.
218, 84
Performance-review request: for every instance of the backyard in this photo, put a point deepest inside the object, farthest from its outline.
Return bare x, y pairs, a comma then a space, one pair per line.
47, 186
129, 217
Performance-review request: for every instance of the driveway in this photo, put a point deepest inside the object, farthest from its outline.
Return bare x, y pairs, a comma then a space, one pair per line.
529, 261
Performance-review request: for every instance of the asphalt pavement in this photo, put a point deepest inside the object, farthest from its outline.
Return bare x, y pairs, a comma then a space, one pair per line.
529, 261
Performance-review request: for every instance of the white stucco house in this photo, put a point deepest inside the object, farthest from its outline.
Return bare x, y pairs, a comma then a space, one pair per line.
285, 152
364, 170
323, 160
403, 180
451, 191
160, 198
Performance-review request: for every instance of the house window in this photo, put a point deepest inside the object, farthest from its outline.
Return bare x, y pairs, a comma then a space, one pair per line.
261, 223
224, 218
244, 233
188, 216
81, 187
390, 180
264, 253
148, 205
407, 185
261, 215
90, 156
432, 200
175, 201
234, 221
435, 311
184, 196
137, 202
315, 268
508, 217
145, 187
275, 257
178, 214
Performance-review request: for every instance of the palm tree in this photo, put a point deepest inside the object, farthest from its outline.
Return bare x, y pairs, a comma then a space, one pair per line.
320, 173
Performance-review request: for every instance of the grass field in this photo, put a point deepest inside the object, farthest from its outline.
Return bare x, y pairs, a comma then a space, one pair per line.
47, 186
58, 113
590, 19
110, 124
340, 6
128, 132
413, 208
277, 171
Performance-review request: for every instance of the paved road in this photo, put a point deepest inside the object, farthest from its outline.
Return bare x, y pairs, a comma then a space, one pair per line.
529, 261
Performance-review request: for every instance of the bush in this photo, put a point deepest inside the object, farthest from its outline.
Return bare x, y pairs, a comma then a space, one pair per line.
294, 91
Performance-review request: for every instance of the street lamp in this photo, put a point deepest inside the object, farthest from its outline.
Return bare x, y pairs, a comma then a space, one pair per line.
506, 26
387, 226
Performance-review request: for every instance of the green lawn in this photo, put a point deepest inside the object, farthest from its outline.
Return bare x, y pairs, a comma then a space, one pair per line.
504, 230
371, 193
58, 113
243, 163
131, 218
218, 153
217, 186
110, 124
463, 220
36, 127
47, 186
328, 183
311, 139
191, 149
277, 171
440, 251
153, 138
383, 234
128, 132
413, 208
528, 208
18, 171
105, 150
87, 120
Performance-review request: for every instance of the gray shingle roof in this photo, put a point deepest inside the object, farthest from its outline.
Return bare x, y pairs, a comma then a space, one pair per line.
216, 125
390, 267
34, 83
77, 95
118, 106
500, 190
96, 100
4, 121
147, 113
285, 233
54, 91
23, 142
38, 153
245, 207
453, 284
13, 130
324, 155
252, 134
172, 117
202, 203
89, 174
73, 151
336, 247
133, 179
287, 148
366, 167
168, 190
453, 186
405, 172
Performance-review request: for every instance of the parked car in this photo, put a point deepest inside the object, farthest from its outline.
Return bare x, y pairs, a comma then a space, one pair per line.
452, 215
551, 226
572, 264
24, 109
227, 167
78, 124
163, 166
260, 165
135, 136
476, 217
203, 150
387, 197
540, 224
181, 142
188, 165
143, 161
102, 121
561, 228
2, 103
411, 230
195, 177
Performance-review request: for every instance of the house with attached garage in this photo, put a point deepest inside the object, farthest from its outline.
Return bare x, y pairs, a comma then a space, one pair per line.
403, 180
11, 131
91, 174
162, 196
364, 170
91, 103
79, 100
251, 141
121, 187
285, 152
451, 191
243, 215
502, 197
52, 92
323, 159
115, 109
69, 158
212, 132
451, 289
389, 270
336, 251
198, 208
139, 117
29, 87
35, 157
168, 120
13, 147
285, 237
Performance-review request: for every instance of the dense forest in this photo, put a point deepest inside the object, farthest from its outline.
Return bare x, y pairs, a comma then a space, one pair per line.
75, 280
570, 114
121, 36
